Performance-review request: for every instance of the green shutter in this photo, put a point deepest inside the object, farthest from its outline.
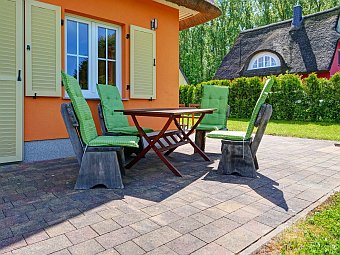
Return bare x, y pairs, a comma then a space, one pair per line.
43, 54
143, 63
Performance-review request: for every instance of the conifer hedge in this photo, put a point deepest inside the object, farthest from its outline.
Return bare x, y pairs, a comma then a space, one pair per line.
292, 98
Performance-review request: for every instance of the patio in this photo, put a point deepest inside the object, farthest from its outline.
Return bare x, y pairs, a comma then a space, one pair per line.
159, 213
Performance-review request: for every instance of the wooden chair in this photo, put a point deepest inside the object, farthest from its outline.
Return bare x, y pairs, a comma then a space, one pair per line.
186, 121
240, 156
213, 97
116, 123
100, 157
98, 165
239, 148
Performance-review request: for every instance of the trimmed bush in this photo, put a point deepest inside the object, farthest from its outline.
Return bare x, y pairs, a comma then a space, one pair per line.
292, 98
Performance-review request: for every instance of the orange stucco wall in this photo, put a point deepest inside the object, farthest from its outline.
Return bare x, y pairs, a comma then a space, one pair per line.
42, 115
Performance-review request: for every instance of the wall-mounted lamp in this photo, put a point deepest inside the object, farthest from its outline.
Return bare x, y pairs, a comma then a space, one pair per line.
154, 24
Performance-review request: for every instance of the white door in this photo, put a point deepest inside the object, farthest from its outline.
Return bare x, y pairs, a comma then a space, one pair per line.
11, 80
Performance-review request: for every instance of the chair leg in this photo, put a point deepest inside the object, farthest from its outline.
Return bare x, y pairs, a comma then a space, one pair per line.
200, 139
256, 163
121, 161
99, 168
237, 158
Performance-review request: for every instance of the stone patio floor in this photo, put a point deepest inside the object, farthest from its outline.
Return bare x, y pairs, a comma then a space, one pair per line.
157, 213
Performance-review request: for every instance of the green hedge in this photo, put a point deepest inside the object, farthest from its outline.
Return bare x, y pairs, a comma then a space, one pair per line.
292, 98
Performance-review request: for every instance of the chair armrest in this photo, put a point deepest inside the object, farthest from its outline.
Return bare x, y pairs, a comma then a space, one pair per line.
72, 115
100, 111
260, 115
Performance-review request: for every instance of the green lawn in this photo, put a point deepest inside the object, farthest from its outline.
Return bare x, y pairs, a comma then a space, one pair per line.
318, 234
323, 131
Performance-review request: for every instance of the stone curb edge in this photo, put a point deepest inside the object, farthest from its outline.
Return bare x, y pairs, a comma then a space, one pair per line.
257, 245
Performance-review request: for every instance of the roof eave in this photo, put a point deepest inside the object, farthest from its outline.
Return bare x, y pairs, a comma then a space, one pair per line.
206, 9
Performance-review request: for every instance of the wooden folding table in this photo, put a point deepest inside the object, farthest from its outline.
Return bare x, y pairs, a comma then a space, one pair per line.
167, 140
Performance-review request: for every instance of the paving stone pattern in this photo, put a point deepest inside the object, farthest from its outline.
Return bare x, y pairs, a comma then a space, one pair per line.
157, 213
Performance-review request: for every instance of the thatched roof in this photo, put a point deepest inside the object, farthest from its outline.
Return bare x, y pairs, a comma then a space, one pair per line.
202, 11
308, 49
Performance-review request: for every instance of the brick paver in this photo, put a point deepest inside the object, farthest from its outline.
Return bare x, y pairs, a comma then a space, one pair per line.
158, 213
129, 248
81, 235
185, 244
89, 247
156, 238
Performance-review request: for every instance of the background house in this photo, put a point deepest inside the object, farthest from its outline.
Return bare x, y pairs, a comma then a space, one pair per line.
183, 80
301, 45
98, 41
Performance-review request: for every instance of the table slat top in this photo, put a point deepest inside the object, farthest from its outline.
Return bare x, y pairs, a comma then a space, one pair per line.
165, 111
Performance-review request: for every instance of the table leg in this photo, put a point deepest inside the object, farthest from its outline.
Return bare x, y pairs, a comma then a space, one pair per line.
186, 137
151, 145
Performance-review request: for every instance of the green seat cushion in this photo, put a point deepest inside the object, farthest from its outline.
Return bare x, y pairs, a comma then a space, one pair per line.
215, 97
71, 85
262, 98
209, 127
125, 141
115, 122
130, 130
110, 101
228, 135
87, 127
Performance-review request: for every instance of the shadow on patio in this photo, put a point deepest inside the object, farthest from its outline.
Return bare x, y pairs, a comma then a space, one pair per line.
36, 197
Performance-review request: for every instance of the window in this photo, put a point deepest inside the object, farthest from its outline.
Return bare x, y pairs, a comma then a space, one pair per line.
264, 60
93, 54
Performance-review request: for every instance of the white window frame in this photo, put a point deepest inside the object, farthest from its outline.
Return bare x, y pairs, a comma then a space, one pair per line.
256, 59
92, 92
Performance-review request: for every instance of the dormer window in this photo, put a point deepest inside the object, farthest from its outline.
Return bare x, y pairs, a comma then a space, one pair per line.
264, 60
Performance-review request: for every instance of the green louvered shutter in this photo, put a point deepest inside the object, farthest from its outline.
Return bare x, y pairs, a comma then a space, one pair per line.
11, 85
143, 63
43, 55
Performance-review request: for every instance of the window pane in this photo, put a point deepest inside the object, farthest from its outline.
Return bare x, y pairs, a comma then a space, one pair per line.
71, 37
72, 66
101, 42
273, 62
83, 39
255, 64
101, 72
111, 73
111, 47
83, 73
267, 61
260, 62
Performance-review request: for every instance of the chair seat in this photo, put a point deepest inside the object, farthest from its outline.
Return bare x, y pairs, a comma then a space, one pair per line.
126, 141
209, 127
129, 130
228, 135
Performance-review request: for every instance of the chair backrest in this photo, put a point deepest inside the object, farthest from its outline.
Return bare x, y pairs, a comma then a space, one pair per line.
110, 101
215, 97
262, 98
87, 128
72, 127
261, 123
